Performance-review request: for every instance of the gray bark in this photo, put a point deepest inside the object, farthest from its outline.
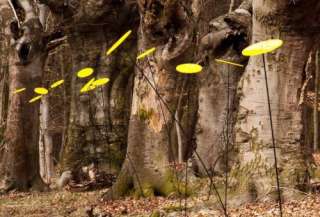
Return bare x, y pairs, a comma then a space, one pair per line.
97, 124
21, 160
228, 35
254, 174
152, 138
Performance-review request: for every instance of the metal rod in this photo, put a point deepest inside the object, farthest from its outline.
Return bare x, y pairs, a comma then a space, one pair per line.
315, 110
272, 135
227, 142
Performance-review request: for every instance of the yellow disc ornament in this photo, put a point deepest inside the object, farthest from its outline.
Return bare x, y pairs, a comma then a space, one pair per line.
86, 72
229, 63
56, 84
88, 86
262, 47
41, 90
35, 99
146, 53
19, 90
100, 82
189, 68
119, 42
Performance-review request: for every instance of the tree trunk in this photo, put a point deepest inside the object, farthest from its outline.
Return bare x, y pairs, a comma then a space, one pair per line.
21, 160
152, 139
254, 175
21, 155
45, 141
214, 120
42, 153
97, 125
4, 86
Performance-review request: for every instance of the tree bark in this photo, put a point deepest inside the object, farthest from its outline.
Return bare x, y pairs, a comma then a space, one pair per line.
254, 175
152, 139
97, 119
224, 41
45, 140
21, 160
4, 85
97, 125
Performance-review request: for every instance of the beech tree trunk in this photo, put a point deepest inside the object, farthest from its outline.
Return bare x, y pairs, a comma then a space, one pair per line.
98, 119
152, 140
20, 158
97, 125
215, 123
253, 177
45, 142
4, 85
21, 149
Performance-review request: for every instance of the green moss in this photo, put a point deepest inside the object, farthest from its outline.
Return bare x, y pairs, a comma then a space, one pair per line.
148, 191
315, 172
155, 214
145, 114
172, 185
172, 208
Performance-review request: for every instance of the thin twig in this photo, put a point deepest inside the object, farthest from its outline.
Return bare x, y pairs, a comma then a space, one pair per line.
15, 13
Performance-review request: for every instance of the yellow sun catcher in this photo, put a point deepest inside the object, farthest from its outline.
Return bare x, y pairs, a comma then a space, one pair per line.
262, 47
41, 90
119, 42
146, 53
88, 86
230, 63
189, 68
19, 90
56, 84
86, 72
34, 99
100, 82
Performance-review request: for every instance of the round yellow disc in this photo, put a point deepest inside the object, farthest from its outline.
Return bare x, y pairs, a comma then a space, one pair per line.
189, 68
262, 47
41, 90
86, 72
57, 83
119, 42
146, 53
100, 82
34, 99
19, 90
88, 86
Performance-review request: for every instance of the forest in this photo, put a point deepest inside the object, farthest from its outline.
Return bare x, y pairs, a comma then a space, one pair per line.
159, 108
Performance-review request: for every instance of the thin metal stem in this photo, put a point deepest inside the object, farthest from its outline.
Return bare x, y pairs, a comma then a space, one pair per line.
272, 134
135, 172
316, 106
227, 144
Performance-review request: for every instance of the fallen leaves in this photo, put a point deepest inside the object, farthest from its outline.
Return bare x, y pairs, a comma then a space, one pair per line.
81, 204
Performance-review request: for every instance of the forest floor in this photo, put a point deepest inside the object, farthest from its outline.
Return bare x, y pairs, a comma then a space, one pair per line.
70, 204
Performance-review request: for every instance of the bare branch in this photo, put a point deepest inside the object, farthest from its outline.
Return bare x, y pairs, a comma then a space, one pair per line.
233, 24
14, 12
56, 43
28, 8
43, 13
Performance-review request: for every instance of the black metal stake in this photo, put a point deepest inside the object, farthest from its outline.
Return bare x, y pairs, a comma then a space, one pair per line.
272, 134
227, 142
